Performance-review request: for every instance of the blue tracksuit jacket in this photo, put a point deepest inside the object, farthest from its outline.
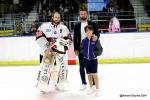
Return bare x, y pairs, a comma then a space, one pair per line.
91, 49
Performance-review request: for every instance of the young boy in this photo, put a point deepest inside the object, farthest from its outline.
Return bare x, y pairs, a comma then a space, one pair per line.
91, 48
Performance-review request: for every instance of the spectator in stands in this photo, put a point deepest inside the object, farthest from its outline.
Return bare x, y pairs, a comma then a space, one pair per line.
68, 8
114, 25
19, 29
43, 16
33, 28
48, 14
79, 35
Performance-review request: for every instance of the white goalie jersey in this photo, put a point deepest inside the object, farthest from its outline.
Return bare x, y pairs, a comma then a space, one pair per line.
47, 34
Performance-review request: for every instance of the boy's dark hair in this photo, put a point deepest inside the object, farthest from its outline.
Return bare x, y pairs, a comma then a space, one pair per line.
90, 27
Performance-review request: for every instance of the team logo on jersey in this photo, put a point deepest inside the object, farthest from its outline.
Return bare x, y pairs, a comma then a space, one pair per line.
60, 30
48, 30
93, 43
55, 32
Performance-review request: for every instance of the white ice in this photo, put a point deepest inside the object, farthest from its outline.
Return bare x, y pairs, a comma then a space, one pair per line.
133, 80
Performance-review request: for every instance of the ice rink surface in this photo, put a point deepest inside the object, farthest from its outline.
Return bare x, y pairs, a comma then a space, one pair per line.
117, 82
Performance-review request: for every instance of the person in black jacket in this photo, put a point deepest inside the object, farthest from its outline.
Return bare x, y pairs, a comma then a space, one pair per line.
79, 35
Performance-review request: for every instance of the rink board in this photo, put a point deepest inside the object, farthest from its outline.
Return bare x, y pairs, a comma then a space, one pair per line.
118, 48
74, 62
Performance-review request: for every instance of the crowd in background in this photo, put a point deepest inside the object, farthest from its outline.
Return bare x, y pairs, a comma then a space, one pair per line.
122, 9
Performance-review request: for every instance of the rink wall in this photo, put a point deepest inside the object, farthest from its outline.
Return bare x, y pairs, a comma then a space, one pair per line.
116, 47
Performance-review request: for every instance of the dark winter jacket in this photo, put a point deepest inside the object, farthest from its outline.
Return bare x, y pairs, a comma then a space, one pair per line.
91, 49
77, 34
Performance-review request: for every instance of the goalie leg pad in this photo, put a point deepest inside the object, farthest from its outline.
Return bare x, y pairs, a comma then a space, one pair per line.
44, 73
54, 73
63, 72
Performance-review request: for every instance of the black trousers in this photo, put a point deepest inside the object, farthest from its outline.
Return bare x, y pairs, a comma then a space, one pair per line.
82, 69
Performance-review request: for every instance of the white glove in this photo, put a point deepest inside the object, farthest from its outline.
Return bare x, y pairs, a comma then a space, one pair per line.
63, 42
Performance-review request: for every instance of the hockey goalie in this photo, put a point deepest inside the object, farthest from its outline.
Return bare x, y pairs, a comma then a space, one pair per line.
54, 40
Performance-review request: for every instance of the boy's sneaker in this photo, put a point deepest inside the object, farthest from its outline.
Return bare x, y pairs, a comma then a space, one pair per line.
83, 87
97, 92
91, 90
